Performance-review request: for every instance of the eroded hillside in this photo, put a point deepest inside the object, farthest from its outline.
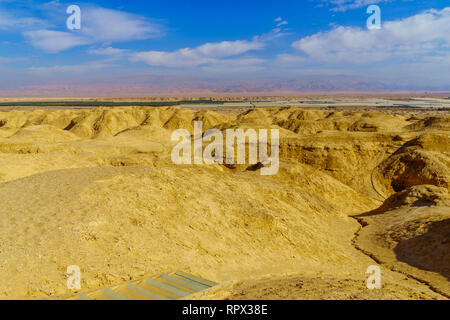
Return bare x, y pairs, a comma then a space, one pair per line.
97, 188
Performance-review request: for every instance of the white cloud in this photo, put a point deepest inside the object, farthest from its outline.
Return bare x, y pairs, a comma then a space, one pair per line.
344, 5
9, 21
425, 34
55, 41
99, 25
107, 51
289, 59
191, 57
102, 24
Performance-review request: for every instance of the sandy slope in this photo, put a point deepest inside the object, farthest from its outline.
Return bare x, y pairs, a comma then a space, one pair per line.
96, 188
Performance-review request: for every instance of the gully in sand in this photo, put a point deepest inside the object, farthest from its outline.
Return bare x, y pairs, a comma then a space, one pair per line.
213, 153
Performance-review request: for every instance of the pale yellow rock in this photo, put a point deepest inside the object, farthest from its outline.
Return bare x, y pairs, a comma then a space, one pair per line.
97, 188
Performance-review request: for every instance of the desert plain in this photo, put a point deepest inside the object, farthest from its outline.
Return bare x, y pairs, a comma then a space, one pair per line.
96, 187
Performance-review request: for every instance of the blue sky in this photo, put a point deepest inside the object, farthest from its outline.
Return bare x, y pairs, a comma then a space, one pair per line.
217, 43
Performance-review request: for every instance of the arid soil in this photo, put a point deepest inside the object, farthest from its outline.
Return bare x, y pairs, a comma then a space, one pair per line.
97, 188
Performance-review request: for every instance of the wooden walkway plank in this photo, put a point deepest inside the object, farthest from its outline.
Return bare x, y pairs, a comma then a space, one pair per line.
110, 294
184, 283
196, 279
146, 293
168, 288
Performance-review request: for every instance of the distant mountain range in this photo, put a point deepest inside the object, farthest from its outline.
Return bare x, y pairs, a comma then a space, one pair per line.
168, 85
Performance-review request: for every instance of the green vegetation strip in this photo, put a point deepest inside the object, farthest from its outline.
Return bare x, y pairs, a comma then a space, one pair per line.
106, 103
